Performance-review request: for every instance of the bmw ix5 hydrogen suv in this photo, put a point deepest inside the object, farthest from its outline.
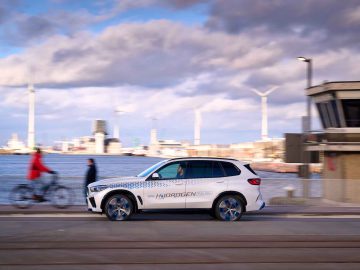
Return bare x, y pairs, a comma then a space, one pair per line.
227, 187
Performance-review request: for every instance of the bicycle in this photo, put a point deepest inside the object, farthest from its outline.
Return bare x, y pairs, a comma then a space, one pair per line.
23, 195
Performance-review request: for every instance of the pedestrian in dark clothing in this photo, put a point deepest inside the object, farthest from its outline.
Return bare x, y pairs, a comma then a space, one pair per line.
91, 174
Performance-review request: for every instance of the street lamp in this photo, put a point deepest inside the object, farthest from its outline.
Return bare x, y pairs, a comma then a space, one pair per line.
307, 128
309, 82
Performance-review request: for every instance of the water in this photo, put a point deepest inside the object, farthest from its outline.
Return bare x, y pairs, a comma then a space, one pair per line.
74, 165
72, 168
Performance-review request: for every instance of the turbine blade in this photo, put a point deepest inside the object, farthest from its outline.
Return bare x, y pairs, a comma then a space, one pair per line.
272, 89
257, 92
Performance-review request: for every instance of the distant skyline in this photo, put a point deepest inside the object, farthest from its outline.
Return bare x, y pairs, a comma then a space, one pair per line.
163, 59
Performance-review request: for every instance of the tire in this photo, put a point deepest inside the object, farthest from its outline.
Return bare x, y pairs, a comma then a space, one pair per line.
119, 207
61, 197
21, 196
229, 208
212, 213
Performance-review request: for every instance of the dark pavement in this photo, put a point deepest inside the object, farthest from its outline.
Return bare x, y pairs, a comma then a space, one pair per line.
319, 209
179, 241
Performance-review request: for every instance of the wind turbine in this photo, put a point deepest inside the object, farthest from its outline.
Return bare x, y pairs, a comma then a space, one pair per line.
264, 114
31, 117
197, 126
117, 113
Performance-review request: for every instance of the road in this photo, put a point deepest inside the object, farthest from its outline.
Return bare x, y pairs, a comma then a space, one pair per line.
179, 241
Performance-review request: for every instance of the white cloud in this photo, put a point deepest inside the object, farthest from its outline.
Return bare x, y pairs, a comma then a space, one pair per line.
165, 69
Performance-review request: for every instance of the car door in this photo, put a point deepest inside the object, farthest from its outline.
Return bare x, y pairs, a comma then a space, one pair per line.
206, 179
169, 190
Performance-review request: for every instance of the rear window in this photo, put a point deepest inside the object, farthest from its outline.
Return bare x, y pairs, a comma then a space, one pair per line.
217, 170
199, 169
247, 166
230, 169
204, 169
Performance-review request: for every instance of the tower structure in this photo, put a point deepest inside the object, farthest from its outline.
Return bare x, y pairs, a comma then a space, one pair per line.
264, 113
197, 127
154, 143
117, 113
31, 118
99, 131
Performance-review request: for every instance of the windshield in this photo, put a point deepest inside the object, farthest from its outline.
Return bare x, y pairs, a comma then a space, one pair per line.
151, 169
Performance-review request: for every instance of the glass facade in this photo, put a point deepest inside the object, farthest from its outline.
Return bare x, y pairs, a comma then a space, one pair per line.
330, 113
351, 112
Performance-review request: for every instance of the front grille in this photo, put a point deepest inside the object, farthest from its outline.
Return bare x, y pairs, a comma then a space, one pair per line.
92, 201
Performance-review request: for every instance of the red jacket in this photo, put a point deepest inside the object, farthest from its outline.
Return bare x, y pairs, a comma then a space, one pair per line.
36, 167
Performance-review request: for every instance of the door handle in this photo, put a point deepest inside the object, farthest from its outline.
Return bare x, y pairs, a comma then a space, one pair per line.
220, 181
178, 184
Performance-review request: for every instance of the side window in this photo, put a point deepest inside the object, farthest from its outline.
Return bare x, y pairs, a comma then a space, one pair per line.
174, 170
199, 169
217, 170
230, 169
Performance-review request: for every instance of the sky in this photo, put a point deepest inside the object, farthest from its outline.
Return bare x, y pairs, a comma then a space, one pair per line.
164, 59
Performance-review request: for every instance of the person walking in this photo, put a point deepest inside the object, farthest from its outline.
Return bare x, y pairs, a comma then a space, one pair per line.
36, 168
91, 174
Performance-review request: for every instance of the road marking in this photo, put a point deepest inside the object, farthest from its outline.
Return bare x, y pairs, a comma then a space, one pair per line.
55, 215
320, 216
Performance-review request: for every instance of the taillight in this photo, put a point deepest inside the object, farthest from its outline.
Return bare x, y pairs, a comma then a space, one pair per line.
254, 181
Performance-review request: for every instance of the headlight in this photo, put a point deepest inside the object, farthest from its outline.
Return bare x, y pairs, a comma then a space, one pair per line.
98, 188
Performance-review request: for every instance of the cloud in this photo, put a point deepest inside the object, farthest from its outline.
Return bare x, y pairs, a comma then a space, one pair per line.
335, 22
156, 53
190, 61
165, 69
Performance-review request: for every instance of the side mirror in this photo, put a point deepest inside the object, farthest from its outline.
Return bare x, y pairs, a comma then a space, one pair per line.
155, 176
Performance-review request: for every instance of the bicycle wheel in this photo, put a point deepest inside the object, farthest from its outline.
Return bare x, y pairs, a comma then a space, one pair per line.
61, 197
21, 196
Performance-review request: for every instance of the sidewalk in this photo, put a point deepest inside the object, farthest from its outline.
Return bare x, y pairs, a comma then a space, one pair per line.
268, 210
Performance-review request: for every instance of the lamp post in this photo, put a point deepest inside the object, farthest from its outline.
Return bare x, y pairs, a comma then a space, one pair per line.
305, 170
309, 83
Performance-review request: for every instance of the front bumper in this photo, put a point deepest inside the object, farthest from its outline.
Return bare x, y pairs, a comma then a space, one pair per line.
94, 201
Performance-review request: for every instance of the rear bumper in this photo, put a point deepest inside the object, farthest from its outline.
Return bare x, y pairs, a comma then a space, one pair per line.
262, 206
256, 205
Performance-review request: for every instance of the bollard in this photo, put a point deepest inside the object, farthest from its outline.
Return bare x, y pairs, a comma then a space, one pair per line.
289, 191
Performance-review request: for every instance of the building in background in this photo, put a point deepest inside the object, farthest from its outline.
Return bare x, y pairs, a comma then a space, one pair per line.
259, 151
99, 131
338, 105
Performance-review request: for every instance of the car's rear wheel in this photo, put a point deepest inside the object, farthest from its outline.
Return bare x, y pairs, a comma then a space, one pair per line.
229, 208
119, 207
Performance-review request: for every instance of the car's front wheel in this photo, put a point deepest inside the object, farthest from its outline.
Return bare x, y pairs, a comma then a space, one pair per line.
229, 208
119, 207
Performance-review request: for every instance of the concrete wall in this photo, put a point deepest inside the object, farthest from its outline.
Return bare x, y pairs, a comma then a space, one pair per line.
352, 177
341, 176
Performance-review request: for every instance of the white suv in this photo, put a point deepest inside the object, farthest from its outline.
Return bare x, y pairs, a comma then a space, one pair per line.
227, 187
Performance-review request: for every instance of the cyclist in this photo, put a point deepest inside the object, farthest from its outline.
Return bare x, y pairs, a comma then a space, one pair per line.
36, 168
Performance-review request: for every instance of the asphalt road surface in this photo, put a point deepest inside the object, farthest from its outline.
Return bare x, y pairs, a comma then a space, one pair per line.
179, 241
